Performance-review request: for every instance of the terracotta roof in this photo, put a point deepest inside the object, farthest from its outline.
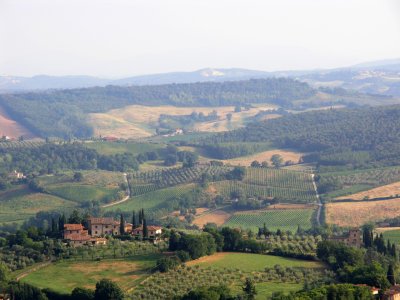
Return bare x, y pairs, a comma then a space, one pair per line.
73, 227
106, 221
149, 228
79, 237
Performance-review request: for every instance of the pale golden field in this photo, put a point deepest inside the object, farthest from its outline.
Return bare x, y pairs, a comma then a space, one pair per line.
11, 128
218, 217
382, 191
140, 121
358, 213
265, 156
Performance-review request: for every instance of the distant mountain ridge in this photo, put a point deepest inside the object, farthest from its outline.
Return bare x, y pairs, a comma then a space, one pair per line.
381, 77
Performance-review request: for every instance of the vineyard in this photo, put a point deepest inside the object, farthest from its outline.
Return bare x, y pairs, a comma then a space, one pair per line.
144, 182
19, 144
287, 186
368, 177
286, 220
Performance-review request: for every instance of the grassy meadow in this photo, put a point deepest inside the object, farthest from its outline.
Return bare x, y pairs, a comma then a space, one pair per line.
82, 193
107, 148
66, 275
269, 273
20, 203
153, 200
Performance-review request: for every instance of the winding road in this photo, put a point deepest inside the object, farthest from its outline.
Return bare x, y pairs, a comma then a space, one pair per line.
319, 202
123, 199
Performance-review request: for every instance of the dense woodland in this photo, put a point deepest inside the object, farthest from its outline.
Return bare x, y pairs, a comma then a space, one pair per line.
351, 138
49, 157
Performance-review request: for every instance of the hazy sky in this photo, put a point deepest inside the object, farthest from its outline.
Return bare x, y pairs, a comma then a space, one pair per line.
116, 38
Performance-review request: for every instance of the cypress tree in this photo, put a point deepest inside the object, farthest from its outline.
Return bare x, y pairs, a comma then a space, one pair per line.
61, 221
122, 225
145, 230
134, 220
390, 275
54, 228
140, 216
394, 251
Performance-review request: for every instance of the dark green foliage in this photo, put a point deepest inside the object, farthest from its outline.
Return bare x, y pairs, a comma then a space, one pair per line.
249, 289
232, 150
390, 275
167, 263
122, 225
78, 176
145, 229
333, 292
80, 293
23, 291
232, 238
108, 290
75, 218
47, 158
349, 138
208, 293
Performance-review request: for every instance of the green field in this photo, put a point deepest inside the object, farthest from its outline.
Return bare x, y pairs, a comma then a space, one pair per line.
100, 178
350, 190
286, 220
393, 236
20, 203
107, 148
82, 193
154, 199
65, 276
257, 262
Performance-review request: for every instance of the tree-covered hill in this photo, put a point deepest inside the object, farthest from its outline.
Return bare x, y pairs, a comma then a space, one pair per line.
62, 112
352, 137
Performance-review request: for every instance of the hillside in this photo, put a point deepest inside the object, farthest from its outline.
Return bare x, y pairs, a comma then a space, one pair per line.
350, 138
64, 113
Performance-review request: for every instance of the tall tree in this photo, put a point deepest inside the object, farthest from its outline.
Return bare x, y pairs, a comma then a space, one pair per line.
390, 275
122, 225
74, 218
140, 216
145, 229
249, 289
61, 221
107, 289
134, 225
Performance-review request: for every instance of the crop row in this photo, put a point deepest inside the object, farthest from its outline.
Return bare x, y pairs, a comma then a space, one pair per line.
293, 195
286, 220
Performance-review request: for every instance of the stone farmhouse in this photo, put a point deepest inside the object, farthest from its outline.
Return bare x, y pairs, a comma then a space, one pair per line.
153, 231
78, 236
353, 238
16, 175
103, 226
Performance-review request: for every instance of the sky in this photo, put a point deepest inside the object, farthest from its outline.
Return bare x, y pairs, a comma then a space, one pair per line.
120, 38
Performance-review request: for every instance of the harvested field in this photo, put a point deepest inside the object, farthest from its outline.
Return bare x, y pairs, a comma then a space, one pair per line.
265, 156
379, 192
206, 259
218, 217
383, 229
357, 213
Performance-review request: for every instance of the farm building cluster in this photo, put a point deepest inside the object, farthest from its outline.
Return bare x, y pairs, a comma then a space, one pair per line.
99, 228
